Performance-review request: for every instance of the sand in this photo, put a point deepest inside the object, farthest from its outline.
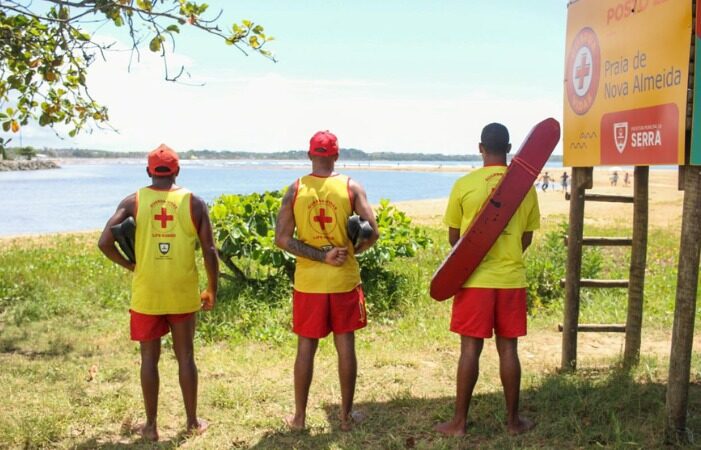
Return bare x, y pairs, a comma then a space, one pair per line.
665, 202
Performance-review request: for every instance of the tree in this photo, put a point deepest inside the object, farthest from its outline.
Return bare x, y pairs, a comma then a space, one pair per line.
45, 52
27, 152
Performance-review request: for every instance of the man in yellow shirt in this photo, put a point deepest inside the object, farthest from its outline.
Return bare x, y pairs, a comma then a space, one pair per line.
327, 293
165, 292
493, 299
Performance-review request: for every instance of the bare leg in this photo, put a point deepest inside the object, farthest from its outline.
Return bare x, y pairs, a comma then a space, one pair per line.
304, 370
510, 373
347, 374
183, 337
150, 354
468, 372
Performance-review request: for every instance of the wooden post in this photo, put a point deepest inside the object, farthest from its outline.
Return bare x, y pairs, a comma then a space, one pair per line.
581, 180
638, 259
685, 309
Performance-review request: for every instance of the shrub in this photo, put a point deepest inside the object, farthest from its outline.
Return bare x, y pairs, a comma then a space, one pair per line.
244, 227
546, 265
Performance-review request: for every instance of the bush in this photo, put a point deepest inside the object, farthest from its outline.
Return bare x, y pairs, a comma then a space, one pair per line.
384, 287
244, 227
546, 265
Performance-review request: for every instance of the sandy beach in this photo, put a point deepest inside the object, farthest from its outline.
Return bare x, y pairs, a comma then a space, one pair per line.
665, 202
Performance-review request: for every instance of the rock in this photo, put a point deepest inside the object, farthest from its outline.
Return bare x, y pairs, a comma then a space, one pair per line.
6, 166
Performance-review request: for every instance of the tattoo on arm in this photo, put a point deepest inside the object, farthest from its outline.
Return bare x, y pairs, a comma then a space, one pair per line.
299, 248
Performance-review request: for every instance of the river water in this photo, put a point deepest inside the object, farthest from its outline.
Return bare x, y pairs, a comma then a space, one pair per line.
82, 195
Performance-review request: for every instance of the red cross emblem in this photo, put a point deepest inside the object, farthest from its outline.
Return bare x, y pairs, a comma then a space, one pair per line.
322, 218
164, 218
582, 71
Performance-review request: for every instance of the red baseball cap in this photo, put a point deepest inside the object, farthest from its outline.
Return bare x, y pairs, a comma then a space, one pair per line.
323, 143
163, 161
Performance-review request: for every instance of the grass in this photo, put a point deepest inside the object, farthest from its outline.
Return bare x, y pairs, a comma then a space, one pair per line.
69, 375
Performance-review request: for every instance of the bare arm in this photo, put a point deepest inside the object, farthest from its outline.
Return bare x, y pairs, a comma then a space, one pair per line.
284, 236
209, 251
526, 239
126, 208
362, 207
453, 236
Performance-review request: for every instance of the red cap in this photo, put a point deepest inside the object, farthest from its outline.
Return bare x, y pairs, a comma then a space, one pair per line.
323, 143
164, 158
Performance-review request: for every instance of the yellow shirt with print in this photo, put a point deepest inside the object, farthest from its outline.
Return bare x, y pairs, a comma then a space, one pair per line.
503, 265
321, 208
165, 277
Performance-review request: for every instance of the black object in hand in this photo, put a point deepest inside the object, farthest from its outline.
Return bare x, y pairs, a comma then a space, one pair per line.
124, 234
359, 230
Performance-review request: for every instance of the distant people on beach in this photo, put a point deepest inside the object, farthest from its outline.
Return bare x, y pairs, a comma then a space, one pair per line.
545, 181
626, 179
614, 178
563, 181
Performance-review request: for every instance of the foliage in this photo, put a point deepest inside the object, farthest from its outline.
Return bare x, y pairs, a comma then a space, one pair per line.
45, 52
27, 152
546, 264
244, 227
384, 286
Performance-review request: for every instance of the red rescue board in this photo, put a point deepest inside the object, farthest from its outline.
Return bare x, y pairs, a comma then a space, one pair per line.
496, 212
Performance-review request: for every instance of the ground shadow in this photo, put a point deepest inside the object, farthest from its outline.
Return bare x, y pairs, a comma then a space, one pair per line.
605, 408
16, 345
133, 441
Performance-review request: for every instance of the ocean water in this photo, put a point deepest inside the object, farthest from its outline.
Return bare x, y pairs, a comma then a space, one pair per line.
82, 196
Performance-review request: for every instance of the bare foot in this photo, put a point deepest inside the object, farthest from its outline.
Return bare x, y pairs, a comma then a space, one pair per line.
522, 425
294, 423
198, 428
146, 431
355, 417
451, 428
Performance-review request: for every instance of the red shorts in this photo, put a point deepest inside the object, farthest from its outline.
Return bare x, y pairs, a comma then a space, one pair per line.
146, 327
478, 311
316, 315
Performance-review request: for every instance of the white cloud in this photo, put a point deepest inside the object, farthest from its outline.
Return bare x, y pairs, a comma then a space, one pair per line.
274, 112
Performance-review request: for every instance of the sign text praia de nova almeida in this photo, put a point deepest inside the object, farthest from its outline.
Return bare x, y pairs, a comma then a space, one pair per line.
626, 74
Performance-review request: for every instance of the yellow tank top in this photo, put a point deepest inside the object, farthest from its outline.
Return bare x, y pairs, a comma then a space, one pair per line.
165, 277
322, 207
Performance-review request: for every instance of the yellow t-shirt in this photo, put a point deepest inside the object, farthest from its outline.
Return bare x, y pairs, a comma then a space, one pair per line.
321, 208
503, 266
165, 277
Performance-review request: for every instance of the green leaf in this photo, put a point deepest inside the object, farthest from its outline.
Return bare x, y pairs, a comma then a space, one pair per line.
155, 44
173, 28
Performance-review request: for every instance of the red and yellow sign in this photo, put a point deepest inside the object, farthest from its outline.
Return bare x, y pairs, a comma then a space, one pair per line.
626, 76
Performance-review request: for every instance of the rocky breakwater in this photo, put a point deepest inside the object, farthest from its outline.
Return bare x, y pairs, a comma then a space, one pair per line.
39, 164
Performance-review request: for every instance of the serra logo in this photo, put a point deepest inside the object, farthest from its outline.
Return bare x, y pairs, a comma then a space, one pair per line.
641, 136
646, 138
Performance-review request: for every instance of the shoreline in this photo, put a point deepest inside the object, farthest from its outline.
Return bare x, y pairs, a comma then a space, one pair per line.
665, 203
408, 166
378, 165
26, 165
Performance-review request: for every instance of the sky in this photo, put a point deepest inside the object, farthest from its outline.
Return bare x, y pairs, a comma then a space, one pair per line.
390, 75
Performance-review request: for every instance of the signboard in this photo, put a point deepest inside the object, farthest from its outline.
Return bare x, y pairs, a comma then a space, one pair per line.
695, 157
626, 77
